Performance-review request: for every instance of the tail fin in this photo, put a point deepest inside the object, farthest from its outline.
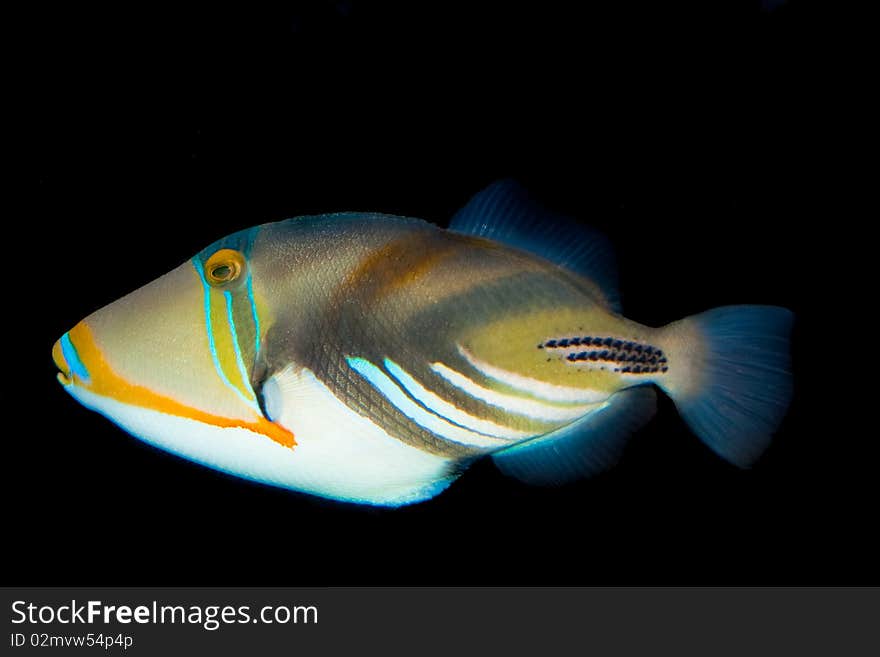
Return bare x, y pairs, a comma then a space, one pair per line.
729, 376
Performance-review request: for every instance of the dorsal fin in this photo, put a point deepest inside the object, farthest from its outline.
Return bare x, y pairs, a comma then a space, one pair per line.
504, 212
585, 447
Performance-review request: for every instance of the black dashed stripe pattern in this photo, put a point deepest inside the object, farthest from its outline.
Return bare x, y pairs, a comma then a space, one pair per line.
627, 356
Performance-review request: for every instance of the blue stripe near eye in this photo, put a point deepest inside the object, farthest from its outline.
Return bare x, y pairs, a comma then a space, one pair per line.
249, 245
208, 326
210, 330
252, 301
71, 357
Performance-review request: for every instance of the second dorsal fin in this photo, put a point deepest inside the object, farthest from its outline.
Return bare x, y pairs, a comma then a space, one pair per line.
504, 212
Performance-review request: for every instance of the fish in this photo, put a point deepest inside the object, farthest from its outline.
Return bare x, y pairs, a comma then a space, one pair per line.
371, 358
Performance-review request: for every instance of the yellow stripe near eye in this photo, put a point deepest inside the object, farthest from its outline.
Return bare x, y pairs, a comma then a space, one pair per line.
226, 347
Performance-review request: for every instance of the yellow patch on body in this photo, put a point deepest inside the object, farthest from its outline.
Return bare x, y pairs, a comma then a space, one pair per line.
225, 347
511, 344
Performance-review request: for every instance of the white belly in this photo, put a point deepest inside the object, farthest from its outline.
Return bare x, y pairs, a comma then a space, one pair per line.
339, 454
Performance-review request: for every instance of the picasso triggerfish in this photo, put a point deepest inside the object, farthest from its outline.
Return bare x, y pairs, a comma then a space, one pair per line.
372, 358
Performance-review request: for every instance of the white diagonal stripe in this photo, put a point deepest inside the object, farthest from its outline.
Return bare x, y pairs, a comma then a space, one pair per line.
512, 404
548, 391
449, 411
425, 419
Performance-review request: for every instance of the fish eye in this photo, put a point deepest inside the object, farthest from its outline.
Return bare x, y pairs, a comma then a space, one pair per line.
224, 266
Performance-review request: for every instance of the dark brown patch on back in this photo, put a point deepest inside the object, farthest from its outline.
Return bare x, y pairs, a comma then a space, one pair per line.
397, 264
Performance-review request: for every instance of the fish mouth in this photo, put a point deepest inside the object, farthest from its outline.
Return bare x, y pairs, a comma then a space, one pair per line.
68, 362
63, 370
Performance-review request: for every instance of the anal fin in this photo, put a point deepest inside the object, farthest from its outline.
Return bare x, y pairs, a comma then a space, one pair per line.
583, 448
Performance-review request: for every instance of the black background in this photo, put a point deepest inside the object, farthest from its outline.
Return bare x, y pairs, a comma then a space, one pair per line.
696, 135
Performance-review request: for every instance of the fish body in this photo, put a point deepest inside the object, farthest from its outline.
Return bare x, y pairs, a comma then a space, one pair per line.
371, 358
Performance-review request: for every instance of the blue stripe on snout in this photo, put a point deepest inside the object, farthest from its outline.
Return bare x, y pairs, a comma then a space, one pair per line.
71, 357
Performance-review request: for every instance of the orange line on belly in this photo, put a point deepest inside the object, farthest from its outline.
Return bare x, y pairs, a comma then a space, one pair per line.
104, 381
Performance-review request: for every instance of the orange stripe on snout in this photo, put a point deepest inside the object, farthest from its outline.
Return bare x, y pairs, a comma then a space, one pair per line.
104, 381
